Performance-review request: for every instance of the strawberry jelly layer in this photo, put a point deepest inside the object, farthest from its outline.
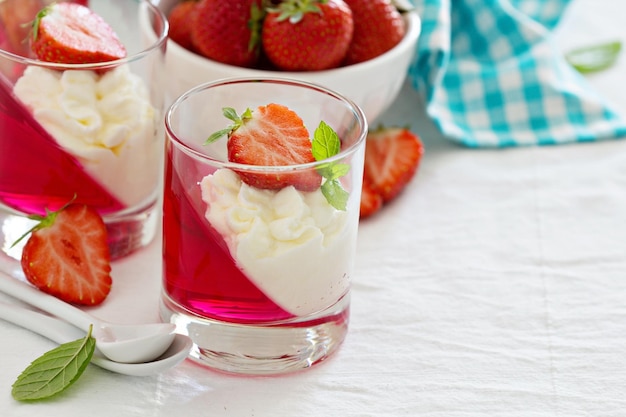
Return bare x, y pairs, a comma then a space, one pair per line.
36, 173
200, 273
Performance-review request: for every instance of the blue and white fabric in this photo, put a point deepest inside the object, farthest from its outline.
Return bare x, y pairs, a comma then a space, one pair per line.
492, 76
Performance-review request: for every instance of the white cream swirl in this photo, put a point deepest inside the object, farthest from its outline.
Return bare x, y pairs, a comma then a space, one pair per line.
292, 245
107, 122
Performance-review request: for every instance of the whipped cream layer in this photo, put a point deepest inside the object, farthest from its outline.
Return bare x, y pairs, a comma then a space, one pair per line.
294, 246
105, 121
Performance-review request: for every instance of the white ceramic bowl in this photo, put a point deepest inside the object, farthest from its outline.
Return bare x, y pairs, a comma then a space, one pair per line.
373, 85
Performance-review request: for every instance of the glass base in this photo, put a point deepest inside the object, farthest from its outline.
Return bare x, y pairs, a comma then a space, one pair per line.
126, 232
261, 349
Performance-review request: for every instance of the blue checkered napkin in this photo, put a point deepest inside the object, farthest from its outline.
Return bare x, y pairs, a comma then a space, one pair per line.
492, 76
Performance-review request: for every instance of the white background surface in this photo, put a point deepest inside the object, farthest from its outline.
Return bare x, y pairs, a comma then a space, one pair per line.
494, 286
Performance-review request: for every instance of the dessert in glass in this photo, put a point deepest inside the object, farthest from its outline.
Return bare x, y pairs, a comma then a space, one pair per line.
88, 132
259, 276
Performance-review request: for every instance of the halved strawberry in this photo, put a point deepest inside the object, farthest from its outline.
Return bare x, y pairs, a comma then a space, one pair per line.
271, 135
71, 33
67, 255
392, 155
371, 201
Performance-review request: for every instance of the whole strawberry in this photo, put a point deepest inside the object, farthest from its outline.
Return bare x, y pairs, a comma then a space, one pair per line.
179, 18
307, 35
14, 18
378, 27
66, 255
70, 33
228, 31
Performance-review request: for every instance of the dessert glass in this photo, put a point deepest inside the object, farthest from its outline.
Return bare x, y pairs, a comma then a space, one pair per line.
92, 132
259, 279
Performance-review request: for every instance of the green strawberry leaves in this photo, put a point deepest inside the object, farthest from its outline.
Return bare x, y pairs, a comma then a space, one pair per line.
326, 144
55, 370
238, 121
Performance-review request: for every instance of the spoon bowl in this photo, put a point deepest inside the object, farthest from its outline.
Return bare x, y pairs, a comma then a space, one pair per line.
62, 332
122, 343
119, 342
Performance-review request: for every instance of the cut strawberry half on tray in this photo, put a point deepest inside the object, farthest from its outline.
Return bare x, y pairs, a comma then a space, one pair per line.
392, 155
67, 256
70, 33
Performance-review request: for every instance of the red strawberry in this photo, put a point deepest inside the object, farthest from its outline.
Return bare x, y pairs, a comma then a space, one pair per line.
15, 19
67, 255
392, 155
307, 35
179, 19
71, 33
371, 201
272, 135
228, 31
378, 27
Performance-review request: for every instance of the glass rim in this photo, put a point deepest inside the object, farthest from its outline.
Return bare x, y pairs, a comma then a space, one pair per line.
181, 145
160, 40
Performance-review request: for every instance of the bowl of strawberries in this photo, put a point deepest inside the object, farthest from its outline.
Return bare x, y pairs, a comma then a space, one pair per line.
359, 48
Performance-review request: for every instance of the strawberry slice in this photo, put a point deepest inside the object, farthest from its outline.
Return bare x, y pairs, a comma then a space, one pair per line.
71, 33
67, 255
371, 201
272, 135
392, 155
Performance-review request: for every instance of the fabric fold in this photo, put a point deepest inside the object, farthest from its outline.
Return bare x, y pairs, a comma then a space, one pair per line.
492, 76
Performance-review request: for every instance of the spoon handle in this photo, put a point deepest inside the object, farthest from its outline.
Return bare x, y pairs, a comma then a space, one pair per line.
62, 332
48, 303
49, 327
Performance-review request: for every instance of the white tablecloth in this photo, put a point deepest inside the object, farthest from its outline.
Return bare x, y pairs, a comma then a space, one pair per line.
495, 285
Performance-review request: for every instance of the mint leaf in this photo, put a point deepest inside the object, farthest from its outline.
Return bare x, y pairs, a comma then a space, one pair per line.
326, 144
55, 370
335, 194
333, 171
594, 58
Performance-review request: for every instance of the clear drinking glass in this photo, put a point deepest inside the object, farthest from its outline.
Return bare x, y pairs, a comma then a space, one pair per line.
258, 279
93, 131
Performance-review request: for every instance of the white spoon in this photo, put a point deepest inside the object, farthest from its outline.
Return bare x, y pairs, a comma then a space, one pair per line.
62, 332
124, 343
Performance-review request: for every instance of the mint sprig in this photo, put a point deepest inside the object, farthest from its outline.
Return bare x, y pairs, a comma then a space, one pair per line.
55, 370
594, 58
326, 144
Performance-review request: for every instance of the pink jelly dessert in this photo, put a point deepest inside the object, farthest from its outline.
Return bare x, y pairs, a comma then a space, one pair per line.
36, 173
200, 274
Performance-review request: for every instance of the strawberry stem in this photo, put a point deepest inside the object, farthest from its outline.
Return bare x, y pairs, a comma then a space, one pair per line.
43, 221
294, 10
238, 121
40, 15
